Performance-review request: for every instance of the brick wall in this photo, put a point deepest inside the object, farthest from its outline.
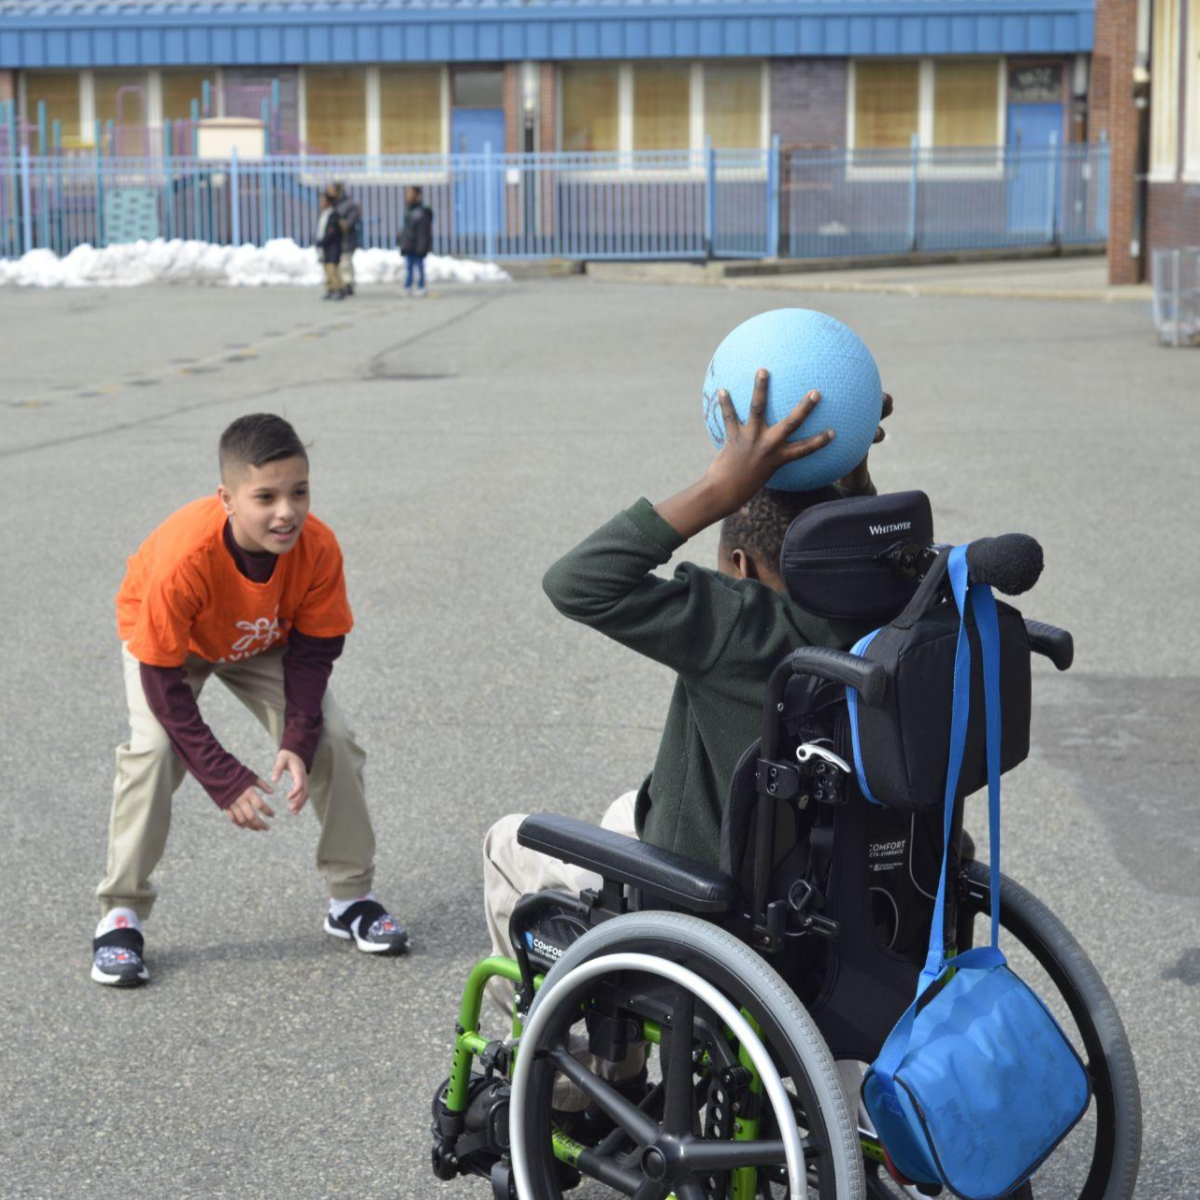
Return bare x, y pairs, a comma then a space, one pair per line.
808, 101
1173, 215
8, 85
1113, 115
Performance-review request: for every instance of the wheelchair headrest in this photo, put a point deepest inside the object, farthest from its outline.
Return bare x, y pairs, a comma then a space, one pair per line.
857, 558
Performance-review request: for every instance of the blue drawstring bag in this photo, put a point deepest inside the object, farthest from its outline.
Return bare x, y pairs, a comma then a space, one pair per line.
976, 1084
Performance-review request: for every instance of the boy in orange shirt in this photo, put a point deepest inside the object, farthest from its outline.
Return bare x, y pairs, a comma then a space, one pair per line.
245, 585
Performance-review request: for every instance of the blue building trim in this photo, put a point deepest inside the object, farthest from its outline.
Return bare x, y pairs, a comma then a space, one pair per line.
47, 36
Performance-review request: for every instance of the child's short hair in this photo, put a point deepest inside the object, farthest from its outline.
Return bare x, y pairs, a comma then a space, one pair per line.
761, 524
418, 192
256, 440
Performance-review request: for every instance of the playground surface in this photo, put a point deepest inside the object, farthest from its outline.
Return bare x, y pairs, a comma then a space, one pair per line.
458, 446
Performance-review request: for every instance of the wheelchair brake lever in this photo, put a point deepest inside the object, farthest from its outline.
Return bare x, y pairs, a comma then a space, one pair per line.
807, 750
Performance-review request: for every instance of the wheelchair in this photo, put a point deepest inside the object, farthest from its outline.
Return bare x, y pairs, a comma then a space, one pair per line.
757, 986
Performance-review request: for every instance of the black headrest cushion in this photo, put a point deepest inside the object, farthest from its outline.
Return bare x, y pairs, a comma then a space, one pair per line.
831, 562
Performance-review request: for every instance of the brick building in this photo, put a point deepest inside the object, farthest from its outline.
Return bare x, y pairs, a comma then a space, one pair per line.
432, 76
1145, 98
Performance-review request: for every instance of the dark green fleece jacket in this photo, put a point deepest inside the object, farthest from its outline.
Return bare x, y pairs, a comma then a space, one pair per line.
721, 636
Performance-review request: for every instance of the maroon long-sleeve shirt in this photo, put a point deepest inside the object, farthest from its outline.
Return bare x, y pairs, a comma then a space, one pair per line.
307, 663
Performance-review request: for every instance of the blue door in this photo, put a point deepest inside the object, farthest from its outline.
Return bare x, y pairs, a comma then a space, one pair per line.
478, 201
1033, 169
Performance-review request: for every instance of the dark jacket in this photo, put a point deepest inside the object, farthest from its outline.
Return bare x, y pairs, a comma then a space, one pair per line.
416, 238
350, 216
721, 637
329, 240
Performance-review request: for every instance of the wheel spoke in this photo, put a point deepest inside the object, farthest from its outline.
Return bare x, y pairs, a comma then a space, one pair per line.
650, 1189
690, 1191
618, 1140
701, 1158
606, 1098
679, 1111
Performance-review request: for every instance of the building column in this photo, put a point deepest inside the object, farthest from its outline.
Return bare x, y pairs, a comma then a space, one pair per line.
1115, 116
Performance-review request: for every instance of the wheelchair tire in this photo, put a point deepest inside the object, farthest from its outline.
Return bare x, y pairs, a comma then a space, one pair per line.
744, 978
1113, 1170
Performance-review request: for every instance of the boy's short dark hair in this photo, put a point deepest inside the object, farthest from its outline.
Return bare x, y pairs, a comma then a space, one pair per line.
418, 192
761, 525
258, 439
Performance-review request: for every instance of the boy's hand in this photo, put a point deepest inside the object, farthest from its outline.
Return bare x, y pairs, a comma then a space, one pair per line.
244, 811
860, 478
293, 764
752, 453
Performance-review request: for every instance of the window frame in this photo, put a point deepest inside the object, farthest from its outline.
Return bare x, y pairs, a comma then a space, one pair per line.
926, 90
1191, 95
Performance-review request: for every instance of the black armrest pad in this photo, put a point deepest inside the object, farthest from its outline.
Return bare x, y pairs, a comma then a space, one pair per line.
671, 877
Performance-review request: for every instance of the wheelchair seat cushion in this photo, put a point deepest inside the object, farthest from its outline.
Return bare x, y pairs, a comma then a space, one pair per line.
832, 560
668, 876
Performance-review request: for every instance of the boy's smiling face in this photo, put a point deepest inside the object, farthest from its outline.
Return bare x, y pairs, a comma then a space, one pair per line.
267, 505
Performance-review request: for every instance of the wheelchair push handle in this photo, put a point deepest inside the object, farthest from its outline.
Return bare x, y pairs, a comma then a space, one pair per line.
868, 678
1055, 644
1011, 563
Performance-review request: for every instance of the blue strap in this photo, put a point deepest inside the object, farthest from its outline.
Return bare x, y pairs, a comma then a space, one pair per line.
860, 648
978, 596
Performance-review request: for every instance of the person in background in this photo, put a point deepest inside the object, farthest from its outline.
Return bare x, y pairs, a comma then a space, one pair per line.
329, 247
350, 215
416, 239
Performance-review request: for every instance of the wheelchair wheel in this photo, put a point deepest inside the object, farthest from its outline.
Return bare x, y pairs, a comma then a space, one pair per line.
719, 1006
1099, 1159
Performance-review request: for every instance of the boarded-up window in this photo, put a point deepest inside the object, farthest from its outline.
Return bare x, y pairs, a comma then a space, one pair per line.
966, 102
733, 104
661, 107
179, 89
410, 110
589, 107
886, 96
335, 109
60, 92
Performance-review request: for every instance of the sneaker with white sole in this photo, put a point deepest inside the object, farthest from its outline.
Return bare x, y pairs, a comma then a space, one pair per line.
117, 959
370, 926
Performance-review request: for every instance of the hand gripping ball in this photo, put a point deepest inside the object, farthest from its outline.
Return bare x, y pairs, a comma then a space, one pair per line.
803, 350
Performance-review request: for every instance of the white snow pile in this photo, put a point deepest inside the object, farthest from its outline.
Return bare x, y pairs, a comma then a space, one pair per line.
279, 262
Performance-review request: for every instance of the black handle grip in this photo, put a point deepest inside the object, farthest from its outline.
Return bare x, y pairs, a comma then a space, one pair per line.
1056, 644
1011, 563
868, 678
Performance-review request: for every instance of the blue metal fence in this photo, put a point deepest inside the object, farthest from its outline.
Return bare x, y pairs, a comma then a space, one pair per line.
651, 205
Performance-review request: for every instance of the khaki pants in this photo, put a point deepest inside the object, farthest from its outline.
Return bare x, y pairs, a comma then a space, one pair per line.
149, 771
346, 269
333, 276
511, 871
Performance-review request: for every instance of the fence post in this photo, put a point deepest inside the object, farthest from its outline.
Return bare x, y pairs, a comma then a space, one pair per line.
914, 184
26, 202
773, 194
235, 207
205, 98
264, 179
1055, 158
489, 204
710, 198
168, 202
273, 144
97, 141
195, 128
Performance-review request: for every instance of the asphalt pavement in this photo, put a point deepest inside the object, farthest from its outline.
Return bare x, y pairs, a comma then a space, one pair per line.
458, 445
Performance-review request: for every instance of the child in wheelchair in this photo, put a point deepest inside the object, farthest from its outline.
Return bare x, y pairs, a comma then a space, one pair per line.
768, 888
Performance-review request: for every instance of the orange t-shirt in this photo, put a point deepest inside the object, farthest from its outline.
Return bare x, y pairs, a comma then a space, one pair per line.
183, 593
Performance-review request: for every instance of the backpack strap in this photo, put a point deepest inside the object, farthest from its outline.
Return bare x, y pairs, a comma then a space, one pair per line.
980, 597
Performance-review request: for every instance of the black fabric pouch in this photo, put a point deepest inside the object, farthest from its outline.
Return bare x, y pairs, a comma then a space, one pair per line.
902, 746
840, 558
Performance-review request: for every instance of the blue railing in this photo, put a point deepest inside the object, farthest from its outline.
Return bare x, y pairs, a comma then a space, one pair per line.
670, 204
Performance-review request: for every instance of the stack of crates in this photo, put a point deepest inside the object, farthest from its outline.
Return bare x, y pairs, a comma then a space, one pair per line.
1177, 296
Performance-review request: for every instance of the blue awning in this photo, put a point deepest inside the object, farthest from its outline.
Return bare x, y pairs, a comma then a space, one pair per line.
123, 33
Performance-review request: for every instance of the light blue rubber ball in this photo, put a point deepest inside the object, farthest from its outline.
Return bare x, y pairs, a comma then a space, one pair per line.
803, 350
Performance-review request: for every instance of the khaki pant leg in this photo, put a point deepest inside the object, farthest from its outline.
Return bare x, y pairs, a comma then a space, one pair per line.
511, 871
148, 774
333, 277
346, 269
346, 846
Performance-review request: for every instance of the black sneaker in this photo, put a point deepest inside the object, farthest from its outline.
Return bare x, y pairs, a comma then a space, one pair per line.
590, 1126
383, 933
117, 959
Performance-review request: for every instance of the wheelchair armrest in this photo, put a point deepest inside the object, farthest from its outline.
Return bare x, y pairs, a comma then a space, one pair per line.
626, 860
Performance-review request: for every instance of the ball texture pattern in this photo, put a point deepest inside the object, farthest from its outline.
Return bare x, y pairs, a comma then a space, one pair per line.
803, 350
